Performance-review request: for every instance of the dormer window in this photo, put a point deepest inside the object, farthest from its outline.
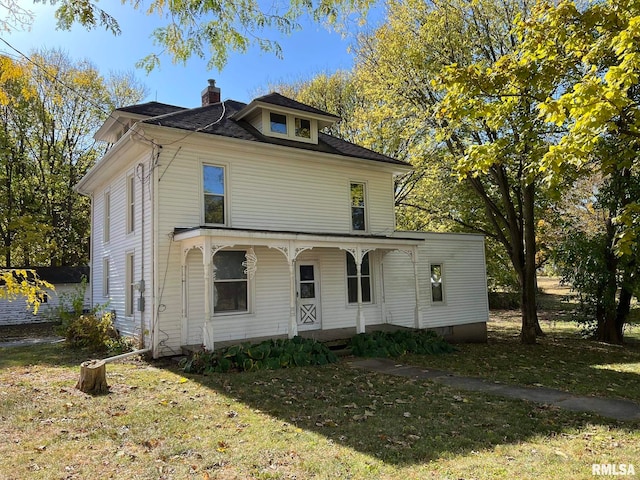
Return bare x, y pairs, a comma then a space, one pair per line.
280, 117
278, 123
303, 128
287, 125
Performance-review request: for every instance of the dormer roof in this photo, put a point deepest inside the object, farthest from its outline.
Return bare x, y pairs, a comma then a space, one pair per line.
288, 105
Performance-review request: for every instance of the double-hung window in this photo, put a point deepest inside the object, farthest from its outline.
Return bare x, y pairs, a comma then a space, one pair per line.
131, 203
214, 194
352, 279
358, 207
106, 278
437, 286
230, 283
106, 228
130, 285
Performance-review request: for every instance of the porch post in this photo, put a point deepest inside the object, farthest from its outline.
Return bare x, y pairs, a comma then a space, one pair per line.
360, 321
207, 329
414, 260
293, 324
184, 326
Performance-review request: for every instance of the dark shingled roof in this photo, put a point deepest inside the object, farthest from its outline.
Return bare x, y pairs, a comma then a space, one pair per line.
58, 275
216, 119
151, 109
275, 98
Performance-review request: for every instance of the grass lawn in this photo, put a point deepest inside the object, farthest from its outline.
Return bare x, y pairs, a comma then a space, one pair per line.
317, 422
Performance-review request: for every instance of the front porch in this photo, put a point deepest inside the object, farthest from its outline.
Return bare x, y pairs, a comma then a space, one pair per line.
335, 336
285, 296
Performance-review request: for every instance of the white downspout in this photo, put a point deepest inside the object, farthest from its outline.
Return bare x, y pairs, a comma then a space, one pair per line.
154, 256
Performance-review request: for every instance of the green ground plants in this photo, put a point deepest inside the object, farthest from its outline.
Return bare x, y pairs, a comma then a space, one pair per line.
270, 354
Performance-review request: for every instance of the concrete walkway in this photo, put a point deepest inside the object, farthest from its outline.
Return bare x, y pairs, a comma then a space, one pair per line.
606, 407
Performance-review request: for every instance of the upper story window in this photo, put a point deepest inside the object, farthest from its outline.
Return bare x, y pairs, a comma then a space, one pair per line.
106, 229
213, 187
278, 123
290, 126
358, 207
131, 203
303, 128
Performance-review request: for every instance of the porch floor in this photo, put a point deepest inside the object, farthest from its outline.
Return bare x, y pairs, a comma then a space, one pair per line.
330, 336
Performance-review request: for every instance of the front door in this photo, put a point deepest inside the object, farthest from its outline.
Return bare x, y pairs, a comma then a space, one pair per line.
308, 296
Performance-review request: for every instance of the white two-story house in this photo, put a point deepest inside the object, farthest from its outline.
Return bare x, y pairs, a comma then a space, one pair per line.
236, 221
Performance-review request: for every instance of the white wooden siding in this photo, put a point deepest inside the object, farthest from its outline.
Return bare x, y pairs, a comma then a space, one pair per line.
268, 191
464, 274
120, 243
17, 313
271, 188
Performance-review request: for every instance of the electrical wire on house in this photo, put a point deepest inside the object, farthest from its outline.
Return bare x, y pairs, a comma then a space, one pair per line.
199, 129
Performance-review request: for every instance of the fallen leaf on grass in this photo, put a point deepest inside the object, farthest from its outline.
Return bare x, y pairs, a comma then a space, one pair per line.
560, 454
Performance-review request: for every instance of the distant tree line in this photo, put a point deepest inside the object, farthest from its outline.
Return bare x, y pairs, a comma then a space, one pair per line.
50, 107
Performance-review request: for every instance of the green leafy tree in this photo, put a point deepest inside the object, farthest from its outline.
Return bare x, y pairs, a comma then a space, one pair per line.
445, 74
200, 28
594, 48
49, 110
23, 283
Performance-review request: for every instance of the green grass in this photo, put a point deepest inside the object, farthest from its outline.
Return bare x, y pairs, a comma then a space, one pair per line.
315, 422
562, 359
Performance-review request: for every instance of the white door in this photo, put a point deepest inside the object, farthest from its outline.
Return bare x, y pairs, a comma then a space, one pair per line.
308, 296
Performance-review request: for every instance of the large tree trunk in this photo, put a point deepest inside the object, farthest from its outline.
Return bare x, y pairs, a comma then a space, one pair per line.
529, 310
607, 330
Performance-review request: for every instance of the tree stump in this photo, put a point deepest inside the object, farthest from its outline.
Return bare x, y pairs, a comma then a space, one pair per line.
93, 377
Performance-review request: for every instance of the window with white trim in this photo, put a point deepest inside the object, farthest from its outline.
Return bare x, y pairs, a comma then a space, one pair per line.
131, 203
358, 207
130, 284
230, 282
289, 126
106, 276
106, 230
352, 279
437, 285
213, 187
278, 123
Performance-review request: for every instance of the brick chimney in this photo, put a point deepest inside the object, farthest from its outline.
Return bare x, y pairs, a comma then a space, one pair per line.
211, 94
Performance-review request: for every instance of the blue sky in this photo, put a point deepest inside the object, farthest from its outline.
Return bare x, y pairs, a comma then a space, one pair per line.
312, 50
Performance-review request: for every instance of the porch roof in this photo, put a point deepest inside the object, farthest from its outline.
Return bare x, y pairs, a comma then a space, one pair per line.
319, 239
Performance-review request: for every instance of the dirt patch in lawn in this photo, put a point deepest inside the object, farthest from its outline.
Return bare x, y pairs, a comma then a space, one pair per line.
27, 331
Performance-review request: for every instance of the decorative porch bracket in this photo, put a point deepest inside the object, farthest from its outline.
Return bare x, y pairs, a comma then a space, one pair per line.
291, 251
358, 254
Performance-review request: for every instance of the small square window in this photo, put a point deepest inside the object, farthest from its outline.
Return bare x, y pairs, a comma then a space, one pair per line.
278, 123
